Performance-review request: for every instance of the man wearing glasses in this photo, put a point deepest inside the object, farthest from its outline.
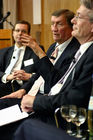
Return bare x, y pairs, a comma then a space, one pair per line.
13, 77
76, 88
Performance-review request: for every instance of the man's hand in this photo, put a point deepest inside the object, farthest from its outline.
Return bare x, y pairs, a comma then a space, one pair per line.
21, 75
27, 40
27, 103
10, 77
18, 94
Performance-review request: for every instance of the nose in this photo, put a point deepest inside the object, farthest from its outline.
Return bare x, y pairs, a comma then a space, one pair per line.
54, 27
73, 20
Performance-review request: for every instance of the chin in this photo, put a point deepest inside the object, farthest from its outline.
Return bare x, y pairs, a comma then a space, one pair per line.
73, 33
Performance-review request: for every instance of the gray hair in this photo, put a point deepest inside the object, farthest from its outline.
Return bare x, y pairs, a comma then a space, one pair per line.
89, 5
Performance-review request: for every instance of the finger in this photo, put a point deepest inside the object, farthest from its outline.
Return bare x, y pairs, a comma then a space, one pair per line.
4, 97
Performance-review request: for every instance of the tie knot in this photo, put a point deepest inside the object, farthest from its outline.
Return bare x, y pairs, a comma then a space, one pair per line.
55, 53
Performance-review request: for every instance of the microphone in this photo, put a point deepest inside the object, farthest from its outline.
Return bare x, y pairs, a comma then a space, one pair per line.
5, 17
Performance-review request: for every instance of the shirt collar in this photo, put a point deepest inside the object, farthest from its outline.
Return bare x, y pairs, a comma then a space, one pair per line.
85, 46
22, 47
63, 45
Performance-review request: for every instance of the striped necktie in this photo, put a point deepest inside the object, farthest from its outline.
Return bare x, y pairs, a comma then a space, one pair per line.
57, 87
70, 67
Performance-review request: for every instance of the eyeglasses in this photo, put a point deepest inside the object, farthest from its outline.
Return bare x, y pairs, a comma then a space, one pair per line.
80, 17
23, 31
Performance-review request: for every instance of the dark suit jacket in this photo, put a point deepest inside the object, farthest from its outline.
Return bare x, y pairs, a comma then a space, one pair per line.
62, 64
44, 132
75, 91
5, 57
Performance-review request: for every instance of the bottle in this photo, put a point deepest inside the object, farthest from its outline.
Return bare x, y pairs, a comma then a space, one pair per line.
90, 113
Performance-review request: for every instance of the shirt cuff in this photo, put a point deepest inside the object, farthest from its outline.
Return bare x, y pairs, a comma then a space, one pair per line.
3, 79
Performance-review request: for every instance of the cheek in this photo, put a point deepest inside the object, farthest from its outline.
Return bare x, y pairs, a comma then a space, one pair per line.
13, 34
51, 29
85, 30
62, 32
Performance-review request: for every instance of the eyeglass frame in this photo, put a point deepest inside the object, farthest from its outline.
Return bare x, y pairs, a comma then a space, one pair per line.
77, 16
18, 30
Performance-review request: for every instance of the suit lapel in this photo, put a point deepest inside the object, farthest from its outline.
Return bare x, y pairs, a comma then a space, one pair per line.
51, 49
75, 72
67, 53
9, 56
27, 55
63, 56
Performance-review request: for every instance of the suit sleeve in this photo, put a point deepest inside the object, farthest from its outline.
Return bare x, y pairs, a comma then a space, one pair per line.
27, 86
77, 91
46, 69
4, 59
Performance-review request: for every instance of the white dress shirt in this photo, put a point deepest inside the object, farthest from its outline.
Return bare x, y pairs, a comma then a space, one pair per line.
19, 62
57, 87
39, 83
61, 49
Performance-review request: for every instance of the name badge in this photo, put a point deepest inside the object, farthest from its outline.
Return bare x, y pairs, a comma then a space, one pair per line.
28, 62
56, 89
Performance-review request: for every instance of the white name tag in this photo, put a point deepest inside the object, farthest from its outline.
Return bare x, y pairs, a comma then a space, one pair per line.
28, 62
55, 89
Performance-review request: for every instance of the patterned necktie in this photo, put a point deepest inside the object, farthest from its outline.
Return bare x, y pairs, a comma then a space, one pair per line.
57, 87
54, 55
13, 62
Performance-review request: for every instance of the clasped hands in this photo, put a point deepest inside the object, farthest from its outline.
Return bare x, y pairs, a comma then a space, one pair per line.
18, 75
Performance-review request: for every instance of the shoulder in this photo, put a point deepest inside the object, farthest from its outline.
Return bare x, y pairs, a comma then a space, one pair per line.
4, 50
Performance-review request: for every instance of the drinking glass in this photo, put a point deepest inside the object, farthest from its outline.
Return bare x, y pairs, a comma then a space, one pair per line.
64, 110
79, 119
55, 116
72, 111
72, 114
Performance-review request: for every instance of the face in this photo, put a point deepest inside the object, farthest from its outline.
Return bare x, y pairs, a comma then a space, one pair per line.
60, 29
82, 28
18, 31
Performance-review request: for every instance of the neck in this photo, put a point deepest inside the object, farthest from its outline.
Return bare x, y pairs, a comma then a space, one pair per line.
65, 39
85, 40
18, 45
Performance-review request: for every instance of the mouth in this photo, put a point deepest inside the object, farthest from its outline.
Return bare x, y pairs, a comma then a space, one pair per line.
19, 37
74, 28
55, 34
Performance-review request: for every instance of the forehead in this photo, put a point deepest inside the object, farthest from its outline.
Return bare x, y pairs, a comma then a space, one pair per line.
83, 10
21, 26
58, 19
